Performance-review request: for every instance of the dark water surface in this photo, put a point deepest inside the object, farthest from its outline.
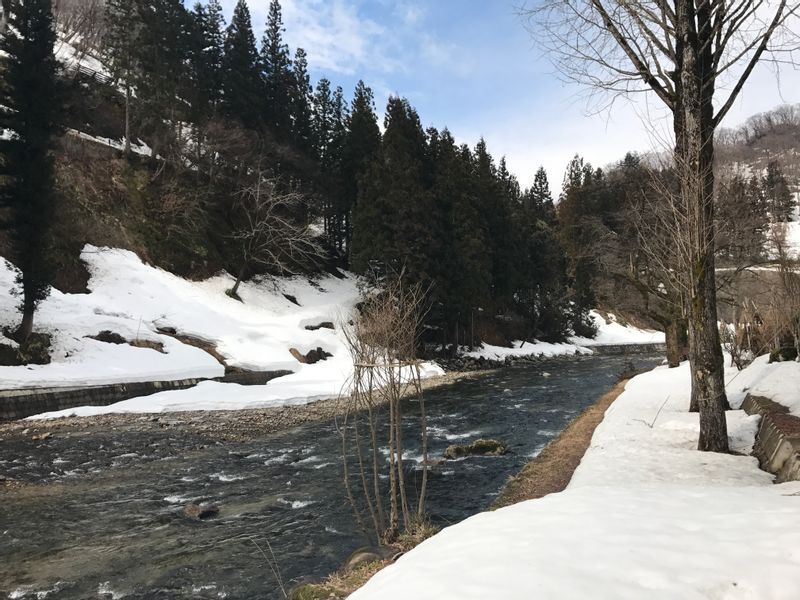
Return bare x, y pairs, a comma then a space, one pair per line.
109, 522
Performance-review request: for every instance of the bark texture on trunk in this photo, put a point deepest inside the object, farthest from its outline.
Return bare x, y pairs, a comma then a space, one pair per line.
25, 328
675, 333
694, 157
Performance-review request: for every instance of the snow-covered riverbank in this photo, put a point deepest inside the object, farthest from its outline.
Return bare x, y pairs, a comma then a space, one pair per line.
645, 515
141, 304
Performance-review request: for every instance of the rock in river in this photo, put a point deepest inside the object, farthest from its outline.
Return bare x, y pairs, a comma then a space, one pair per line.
200, 511
476, 448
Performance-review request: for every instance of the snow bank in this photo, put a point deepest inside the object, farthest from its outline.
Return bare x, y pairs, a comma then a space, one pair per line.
134, 300
519, 348
645, 515
609, 333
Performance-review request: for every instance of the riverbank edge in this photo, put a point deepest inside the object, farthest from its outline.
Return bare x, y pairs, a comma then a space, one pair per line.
549, 472
229, 425
552, 469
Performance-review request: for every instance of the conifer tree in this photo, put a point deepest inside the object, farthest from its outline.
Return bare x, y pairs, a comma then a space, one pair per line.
395, 219
360, 147
541, 198
573, 210
776, 190
463, 287
205, 52
301, 103
241, 80
31, 97
495, 213
121, 43
162, 47
322, 119
278, 79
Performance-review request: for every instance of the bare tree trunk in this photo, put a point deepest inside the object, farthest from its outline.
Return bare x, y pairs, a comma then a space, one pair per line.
239, 278
25, 328
127, 119
675, 333
694, 158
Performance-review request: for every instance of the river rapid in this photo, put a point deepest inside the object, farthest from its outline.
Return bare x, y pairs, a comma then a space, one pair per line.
99, 514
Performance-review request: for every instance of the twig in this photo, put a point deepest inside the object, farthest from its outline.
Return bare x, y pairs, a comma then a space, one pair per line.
273, 564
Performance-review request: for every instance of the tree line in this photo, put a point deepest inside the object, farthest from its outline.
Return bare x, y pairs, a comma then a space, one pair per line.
252, 147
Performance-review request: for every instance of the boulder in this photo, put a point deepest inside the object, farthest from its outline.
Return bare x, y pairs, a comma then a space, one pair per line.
477, 448
783, 355
200, 511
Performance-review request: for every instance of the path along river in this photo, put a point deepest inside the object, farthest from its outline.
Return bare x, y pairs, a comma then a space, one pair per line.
99, 513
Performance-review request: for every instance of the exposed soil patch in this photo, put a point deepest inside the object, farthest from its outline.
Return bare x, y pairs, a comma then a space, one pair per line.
552, 469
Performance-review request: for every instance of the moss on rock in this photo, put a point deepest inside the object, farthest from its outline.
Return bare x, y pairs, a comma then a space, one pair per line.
482, 447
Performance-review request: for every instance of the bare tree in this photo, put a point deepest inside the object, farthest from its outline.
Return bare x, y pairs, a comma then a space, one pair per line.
271, 229
80, 22
383, 340
681, 51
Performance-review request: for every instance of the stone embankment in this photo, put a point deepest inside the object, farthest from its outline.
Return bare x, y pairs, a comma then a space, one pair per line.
21, 403
777, 444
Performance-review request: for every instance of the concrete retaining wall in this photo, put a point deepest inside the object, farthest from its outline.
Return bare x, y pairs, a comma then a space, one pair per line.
18, 404
777, 444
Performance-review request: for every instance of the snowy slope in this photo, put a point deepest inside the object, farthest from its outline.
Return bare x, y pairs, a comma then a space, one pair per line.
133, 299
645, 516
609, 332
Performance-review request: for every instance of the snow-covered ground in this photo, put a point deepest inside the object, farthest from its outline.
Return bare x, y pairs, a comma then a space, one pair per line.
609, 332
645, 515
134, 300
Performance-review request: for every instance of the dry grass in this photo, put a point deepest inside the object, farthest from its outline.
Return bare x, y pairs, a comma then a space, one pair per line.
344, 582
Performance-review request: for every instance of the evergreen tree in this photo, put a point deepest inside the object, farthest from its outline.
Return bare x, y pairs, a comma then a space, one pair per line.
776, 190
121, 42
205, 52
322, 119
241, 80
574, 211
278, 79
162, 48
463, 287
360, 147
395, 219
495, 208
328, 132
301, 103
31, 97
540, 198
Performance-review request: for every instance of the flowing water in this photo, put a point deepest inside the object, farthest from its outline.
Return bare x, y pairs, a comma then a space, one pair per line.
107, 519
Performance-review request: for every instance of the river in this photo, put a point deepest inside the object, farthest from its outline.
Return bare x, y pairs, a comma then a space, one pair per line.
105, 516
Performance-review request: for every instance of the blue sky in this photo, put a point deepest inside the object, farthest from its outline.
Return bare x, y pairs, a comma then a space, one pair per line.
470, 65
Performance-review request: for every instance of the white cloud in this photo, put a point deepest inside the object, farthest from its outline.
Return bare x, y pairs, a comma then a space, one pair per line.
335, 34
